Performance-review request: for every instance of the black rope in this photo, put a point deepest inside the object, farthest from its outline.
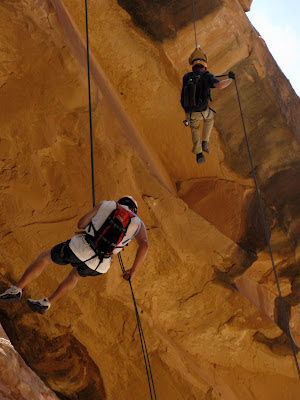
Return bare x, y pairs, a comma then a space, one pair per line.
90, 104
142, 338
267, 236
193, 3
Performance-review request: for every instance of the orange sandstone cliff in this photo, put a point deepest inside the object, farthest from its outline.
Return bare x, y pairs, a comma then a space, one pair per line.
17, 380
206, 293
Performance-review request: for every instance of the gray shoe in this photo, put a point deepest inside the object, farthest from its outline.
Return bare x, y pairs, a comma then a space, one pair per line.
205, 147
11, 295
39, 306
200, 158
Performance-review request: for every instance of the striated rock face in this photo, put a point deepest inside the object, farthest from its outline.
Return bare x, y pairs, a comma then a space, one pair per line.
206, 293
17, 381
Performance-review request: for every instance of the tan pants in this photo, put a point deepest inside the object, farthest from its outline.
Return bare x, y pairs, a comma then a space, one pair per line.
208, 122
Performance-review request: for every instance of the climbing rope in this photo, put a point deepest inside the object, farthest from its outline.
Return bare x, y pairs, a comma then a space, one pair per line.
262, 213
142, 338
267, 235
90, 103
193, 3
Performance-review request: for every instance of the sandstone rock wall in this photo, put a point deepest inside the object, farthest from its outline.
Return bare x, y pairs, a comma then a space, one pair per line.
17, 380
206, 339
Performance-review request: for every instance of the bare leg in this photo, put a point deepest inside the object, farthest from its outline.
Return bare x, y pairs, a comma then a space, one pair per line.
66, 286
35, 269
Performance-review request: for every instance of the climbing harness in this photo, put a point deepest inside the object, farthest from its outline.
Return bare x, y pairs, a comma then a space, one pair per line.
142, 338
266, 233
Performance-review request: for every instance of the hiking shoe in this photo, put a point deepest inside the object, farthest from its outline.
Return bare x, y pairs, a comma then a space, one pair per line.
205, 146
39, 306
11, 295
200, 158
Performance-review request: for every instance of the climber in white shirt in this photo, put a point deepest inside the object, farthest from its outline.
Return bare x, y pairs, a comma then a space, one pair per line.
108, 227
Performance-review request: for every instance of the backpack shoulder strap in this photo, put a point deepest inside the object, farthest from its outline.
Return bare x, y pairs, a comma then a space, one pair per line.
205, 75
91, 226
137, 231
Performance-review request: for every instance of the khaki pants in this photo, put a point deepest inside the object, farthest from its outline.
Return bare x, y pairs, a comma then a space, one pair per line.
208, 122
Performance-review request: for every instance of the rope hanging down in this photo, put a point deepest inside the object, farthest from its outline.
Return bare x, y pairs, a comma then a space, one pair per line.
193, 3
142, 338
262, 214
90, 103
267, 236
261, 211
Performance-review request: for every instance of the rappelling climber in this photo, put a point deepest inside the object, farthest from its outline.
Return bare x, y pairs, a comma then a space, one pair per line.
108, 227
195, 96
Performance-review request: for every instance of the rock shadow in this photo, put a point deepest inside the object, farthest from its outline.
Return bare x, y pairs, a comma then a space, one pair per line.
62, 362
161, 19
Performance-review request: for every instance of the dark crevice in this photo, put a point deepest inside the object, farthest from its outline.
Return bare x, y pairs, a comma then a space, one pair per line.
280, 346
254, 238
162, 19
57, 360
292, 300
282, 191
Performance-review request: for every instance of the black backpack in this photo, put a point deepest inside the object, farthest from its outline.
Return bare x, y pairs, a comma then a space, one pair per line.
195, 92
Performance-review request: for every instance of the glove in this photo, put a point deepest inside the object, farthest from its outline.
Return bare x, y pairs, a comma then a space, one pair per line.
231, 75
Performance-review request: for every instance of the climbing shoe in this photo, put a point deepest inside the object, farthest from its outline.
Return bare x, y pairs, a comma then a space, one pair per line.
205, 147
11, 295
200, 158
39, 306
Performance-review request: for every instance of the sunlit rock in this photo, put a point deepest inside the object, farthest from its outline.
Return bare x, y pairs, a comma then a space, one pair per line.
206, 294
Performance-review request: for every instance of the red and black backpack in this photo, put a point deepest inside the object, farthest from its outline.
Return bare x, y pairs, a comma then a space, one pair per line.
111, 233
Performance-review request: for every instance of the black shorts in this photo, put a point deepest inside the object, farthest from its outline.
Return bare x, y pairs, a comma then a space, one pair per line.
61, 254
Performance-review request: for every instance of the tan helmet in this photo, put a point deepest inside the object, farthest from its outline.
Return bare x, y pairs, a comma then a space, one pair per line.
198, 57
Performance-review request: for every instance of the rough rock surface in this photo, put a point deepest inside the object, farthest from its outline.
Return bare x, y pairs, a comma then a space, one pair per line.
17, 380
207, 294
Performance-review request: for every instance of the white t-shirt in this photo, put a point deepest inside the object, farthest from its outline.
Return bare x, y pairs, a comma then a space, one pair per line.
82, 249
